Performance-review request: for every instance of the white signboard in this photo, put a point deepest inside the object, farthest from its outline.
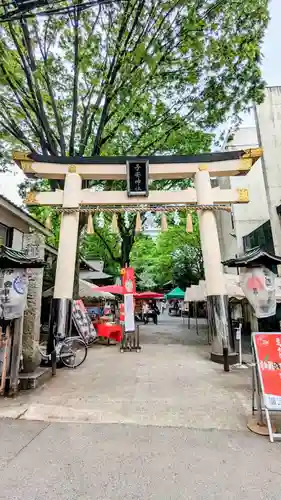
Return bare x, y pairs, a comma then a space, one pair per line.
82, 322
129, 313
13, 293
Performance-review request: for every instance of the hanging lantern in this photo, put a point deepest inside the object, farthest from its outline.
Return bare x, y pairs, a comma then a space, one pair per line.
126, 220
100, 220
176, 218
189, 223
138, 227
164, 224
48, 222
90, 225
114, 224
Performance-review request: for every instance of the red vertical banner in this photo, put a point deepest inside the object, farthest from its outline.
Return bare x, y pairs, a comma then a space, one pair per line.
129, 285
268, 357
128, 279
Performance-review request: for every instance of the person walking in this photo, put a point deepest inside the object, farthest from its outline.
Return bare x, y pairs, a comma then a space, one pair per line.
154, 312
145, 310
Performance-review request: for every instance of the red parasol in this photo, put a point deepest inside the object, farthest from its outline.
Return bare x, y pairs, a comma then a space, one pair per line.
119, 290
148, 295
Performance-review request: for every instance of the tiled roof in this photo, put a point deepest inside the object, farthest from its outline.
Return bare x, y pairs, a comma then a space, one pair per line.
256, 256
17, 259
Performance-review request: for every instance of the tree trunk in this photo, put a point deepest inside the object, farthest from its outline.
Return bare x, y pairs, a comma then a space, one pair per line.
126, 247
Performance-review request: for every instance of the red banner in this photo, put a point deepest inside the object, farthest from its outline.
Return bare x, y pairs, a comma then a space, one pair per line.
268, 357
128, 279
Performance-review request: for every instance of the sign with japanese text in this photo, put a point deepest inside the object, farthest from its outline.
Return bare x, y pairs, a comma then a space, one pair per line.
129, 284
267, 347
82, 322
13, 293
137, 178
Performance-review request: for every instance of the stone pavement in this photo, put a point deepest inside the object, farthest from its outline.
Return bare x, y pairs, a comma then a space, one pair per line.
171, 382
164, 424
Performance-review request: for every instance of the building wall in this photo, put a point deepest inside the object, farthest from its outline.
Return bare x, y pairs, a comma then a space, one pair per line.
268, 118
244, 218
263, 181
14, 229
11, 220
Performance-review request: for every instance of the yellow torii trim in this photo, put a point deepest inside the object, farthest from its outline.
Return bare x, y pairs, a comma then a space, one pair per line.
243, 195
254, 153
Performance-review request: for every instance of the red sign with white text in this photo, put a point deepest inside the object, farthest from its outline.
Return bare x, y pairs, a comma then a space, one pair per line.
128, 279
268, 357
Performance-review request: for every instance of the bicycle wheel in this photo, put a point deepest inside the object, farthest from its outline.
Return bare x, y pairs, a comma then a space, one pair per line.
73, 352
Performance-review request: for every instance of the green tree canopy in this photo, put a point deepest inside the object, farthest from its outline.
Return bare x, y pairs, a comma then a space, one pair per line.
135, 77
175, 256
125, 78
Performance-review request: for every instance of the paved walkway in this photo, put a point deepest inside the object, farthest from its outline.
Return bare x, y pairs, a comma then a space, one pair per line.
164, 424
171, 382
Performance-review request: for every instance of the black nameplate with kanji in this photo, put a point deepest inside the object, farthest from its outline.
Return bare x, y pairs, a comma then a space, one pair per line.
137, 178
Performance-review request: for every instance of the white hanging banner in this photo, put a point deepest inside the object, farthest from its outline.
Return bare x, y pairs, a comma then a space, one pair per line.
129, 313
258, 284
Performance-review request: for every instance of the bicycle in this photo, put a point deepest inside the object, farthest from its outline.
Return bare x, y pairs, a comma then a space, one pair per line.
71, 351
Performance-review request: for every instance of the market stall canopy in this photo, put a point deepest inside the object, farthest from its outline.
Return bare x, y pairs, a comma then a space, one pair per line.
255, 257
148, 295
10, 258
197, 293
86, 289
176, 293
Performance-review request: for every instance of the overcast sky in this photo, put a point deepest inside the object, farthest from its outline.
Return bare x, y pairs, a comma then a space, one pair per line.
271, 72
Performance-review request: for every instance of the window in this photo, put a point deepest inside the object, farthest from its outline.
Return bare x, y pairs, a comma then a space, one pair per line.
260, 237
3, 234
17, 239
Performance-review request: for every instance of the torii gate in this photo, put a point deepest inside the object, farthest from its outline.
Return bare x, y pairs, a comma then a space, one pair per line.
74, 199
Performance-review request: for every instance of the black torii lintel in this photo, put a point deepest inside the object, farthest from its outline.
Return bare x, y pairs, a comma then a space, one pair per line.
120, 160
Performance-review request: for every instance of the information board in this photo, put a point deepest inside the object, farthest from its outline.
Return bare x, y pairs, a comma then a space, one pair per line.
267, 347
82, 322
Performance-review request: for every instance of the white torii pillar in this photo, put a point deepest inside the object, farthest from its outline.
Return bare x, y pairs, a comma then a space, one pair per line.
217, 299
61, 309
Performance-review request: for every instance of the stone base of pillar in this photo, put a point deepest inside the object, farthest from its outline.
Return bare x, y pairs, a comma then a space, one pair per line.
218, 358
60, 321
220, 328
